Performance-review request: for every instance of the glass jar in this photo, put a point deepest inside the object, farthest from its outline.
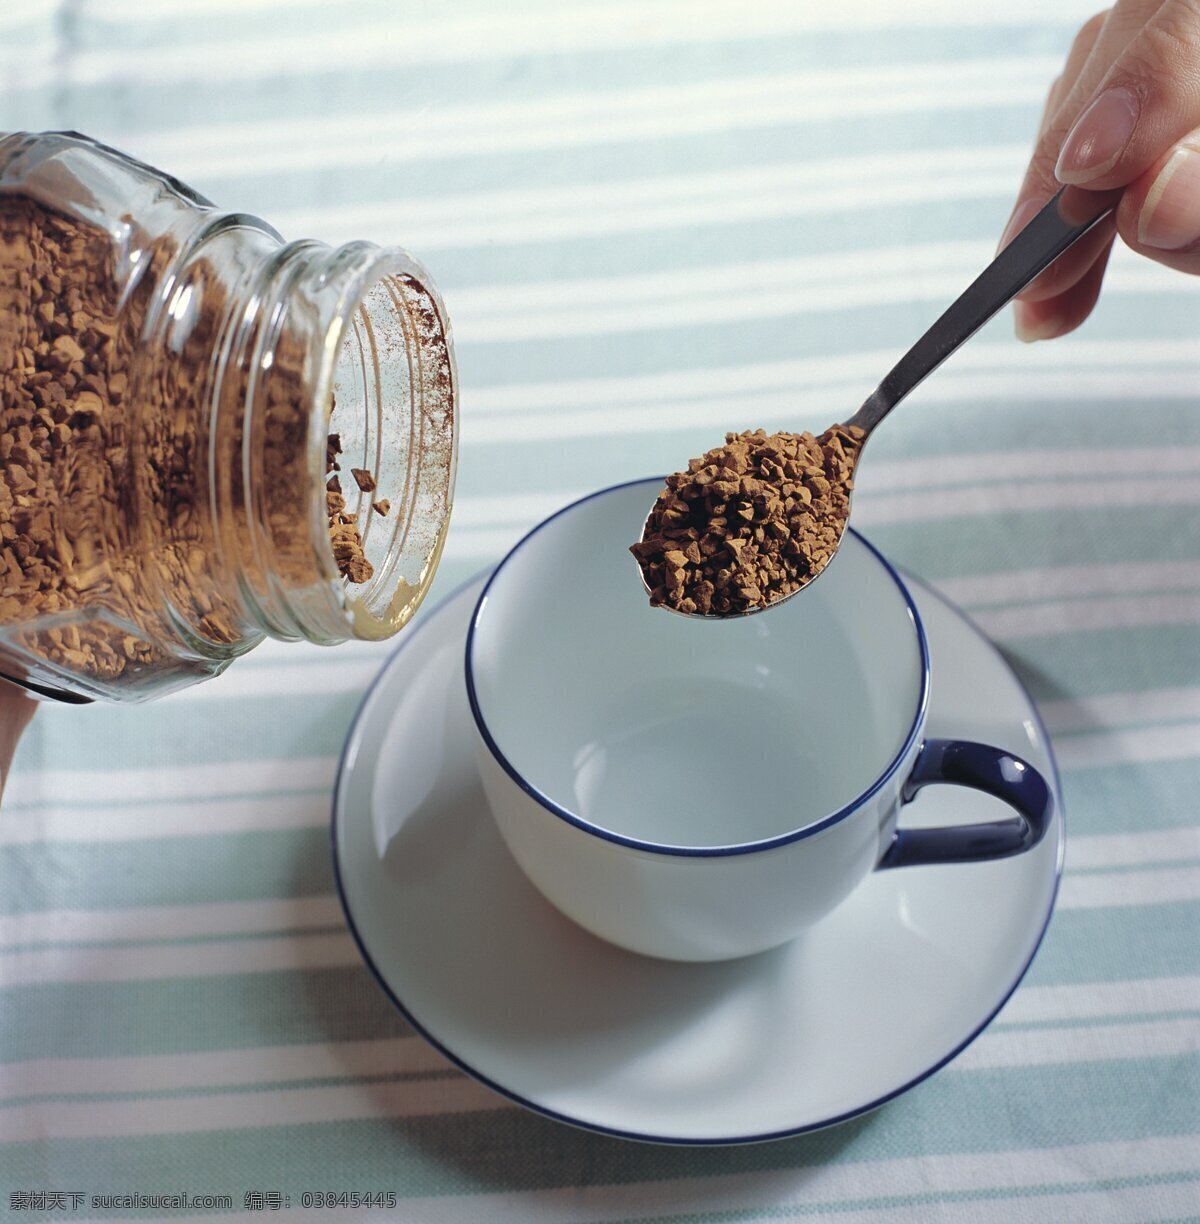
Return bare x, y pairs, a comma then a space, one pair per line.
208, 436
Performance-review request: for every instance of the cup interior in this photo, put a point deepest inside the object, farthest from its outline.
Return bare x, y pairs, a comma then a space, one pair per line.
679, 732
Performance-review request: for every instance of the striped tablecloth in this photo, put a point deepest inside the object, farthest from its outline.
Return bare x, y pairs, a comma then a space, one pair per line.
651, 222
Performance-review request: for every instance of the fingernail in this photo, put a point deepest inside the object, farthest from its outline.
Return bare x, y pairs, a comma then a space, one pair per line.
1170, 217
1024, 212
1028, 327
1099, 136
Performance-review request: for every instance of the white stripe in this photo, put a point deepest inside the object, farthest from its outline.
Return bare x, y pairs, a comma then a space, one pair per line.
392, 39
170, 782
1173, 742
243, 1110
320, 676
1094, 1043
481, 546
919, 472
219, 1068
865, 280
292, 953
1083, 615
784, 409
1116, 889
754, 193
1165, 846
110, 819
497, 126
512, 507
412, 1055
33, 61
695, 383
1024, 497
1110, 709
165, 922
884, 14
145, 11
1144, 996
1111, 578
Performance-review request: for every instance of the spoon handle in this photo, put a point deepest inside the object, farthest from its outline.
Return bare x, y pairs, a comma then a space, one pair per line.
1065, 219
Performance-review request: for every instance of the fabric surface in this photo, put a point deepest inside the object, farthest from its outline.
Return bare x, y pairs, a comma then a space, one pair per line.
651, 222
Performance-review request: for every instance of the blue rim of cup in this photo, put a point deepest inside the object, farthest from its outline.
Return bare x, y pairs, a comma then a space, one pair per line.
722, 851
349, 753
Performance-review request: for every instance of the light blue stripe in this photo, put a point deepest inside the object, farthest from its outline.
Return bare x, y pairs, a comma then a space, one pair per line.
173, 1016
1113, 945
237, 729
1126, 799
187, 871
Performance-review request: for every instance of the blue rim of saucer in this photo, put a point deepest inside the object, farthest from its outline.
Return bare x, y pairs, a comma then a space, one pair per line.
349, 750
652, 847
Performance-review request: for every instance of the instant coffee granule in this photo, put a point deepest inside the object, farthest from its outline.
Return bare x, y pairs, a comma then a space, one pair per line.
102, 500
749, 522
347, 544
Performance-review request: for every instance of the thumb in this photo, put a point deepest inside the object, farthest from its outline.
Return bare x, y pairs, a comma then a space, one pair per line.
1147, 102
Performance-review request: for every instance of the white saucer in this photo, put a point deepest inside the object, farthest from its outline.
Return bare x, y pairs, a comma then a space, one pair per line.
867, 1003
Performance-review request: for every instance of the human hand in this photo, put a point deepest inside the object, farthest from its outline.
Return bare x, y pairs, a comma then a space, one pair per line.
16, 709
1125, 113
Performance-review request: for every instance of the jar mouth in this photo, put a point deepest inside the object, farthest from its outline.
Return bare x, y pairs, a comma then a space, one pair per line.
390, 386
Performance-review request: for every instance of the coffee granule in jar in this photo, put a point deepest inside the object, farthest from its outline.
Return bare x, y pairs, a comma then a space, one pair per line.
167, 381
749, 522
64, 436
344, 536
65, 439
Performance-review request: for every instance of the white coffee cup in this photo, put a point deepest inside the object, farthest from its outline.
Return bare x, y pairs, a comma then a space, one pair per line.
698, 789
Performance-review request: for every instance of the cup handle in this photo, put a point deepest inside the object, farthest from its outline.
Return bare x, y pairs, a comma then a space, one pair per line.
983, 768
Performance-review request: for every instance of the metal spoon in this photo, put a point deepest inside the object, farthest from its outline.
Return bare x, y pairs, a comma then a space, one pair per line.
1061, 223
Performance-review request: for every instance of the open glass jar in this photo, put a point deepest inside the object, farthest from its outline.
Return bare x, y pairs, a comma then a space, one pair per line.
208, 436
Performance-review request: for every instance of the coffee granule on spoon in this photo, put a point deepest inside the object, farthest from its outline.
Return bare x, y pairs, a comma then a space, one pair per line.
749, 522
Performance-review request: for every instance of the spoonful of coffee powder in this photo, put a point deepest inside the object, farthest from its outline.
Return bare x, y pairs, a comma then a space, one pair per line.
749, 523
